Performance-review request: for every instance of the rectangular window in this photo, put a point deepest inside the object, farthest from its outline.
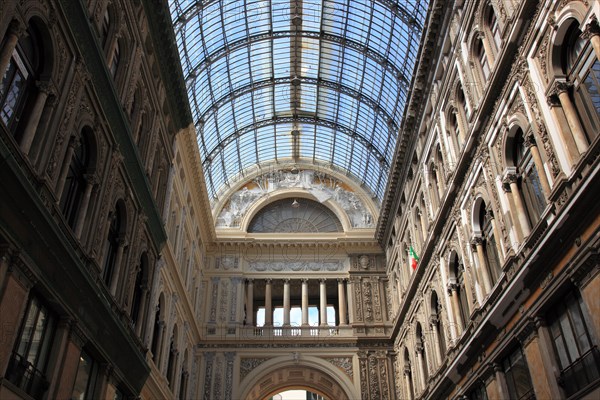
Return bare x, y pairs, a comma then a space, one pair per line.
578, 357
85, 382
27, 366
517, 376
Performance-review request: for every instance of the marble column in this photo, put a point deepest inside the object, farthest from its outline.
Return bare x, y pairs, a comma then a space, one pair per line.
34, 116
14, 31
477, 243
268, 302
456, 308
64, 170
85, 202
350, 299
510, 180
539, 165
322, 303
433, 322
592, 31
342, 302
304, 302
114, 279
250, 303
562, 91
286, 302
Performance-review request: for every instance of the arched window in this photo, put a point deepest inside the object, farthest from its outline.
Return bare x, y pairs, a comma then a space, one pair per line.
529, 180
582, 68
492, 25
72, 195
17, 88
437, 326
113, 238
489, 242
172, 361
408, 375
105, 28
457, 271
482, 58
157, 329
115, 59
421, 349
141, 280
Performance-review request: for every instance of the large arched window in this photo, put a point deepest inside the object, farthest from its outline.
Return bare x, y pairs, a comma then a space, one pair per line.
138, 298
17, 88
529, 180
457, 272
581, 67
157, 329
295, 215
422, 352
437, 326
493, 27
74, 187
489, 242
482, 58
408, 375
113, 241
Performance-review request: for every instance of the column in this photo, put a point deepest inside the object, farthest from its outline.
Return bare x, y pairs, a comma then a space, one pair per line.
497, 234
477, 242
286, 302
304, 302
488, 50
421, 365
567, 143
433, 322
250, 303
73, 143
510, 179
539, 165
455, 307
85, 202
562, 91
592, 31
142, 312
500, 381
350, 298
114, 279
342, 302
408, 381
322, 303
15, 29
268, 302
549, 360
159, 342
34, 117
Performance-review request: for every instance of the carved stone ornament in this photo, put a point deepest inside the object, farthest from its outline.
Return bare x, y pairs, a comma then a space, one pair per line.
296, 266
343, 363
322, 186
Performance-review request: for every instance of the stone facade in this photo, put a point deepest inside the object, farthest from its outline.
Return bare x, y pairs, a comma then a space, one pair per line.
111, 248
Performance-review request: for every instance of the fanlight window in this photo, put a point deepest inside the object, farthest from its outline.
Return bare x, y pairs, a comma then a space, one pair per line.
295, 215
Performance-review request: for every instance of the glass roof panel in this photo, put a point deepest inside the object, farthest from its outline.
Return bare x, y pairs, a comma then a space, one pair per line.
288, 80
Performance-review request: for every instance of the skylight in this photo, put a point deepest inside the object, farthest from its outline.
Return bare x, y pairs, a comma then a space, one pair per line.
278, 82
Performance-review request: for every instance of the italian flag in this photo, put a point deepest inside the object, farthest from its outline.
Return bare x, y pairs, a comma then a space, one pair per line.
413, 257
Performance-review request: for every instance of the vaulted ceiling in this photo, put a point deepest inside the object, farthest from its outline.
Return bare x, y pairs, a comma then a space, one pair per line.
273, 83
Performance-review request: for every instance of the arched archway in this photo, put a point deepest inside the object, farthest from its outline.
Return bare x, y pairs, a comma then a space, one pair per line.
310, 373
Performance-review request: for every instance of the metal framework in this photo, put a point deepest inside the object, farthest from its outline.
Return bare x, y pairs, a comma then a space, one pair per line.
297, 80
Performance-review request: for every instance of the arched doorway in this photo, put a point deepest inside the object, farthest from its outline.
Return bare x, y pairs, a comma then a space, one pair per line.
310, 373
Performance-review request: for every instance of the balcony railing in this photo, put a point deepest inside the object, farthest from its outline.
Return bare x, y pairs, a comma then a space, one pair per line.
582, 372
25, 376
280, 332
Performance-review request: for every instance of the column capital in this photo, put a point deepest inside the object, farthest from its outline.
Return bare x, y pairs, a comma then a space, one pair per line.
17, 28
45, 87
92, 179
407, 368
269, 280
250, 280
530, 141
489, 213
591, 29
451, 287
433, 319
322, 280
304, 280
560, 86
286, 281
476, 241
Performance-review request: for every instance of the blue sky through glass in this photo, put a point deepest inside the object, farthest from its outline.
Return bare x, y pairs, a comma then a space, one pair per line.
336, 71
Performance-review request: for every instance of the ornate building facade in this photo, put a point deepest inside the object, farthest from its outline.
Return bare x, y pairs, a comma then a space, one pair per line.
449, 249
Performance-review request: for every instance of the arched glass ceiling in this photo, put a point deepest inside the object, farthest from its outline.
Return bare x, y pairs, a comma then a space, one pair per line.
288, 80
